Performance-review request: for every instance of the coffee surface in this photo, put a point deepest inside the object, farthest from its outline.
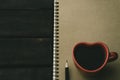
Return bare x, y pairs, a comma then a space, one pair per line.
90, 57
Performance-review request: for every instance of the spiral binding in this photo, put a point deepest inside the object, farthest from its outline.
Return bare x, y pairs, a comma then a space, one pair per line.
56, 43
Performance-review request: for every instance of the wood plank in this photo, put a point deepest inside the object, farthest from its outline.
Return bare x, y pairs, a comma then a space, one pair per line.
26, 23
44, 73
25, 52
25, 4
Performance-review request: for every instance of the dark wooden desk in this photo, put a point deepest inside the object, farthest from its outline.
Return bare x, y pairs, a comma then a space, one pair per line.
26, 39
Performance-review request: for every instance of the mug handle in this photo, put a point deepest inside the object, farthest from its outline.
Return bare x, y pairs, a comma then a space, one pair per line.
113, 56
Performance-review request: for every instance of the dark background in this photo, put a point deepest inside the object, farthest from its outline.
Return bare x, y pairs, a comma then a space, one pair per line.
26, 39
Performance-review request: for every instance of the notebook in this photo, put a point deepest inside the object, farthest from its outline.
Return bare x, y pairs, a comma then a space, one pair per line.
85, 21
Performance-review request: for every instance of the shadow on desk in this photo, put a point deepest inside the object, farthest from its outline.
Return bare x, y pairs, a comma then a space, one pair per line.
107, 73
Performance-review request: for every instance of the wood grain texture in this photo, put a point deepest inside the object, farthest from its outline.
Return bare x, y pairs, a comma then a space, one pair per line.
25, 52
26, 23
25, 4
43, 73
26, 39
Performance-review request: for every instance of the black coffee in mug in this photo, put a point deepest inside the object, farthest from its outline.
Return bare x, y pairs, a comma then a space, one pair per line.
90, 57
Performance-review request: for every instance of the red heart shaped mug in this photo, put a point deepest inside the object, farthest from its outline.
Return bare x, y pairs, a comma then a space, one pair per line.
92, 57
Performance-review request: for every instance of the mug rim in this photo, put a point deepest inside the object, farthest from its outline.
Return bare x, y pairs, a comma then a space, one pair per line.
88, 43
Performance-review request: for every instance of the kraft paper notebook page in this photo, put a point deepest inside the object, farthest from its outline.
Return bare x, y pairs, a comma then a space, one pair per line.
87, 21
